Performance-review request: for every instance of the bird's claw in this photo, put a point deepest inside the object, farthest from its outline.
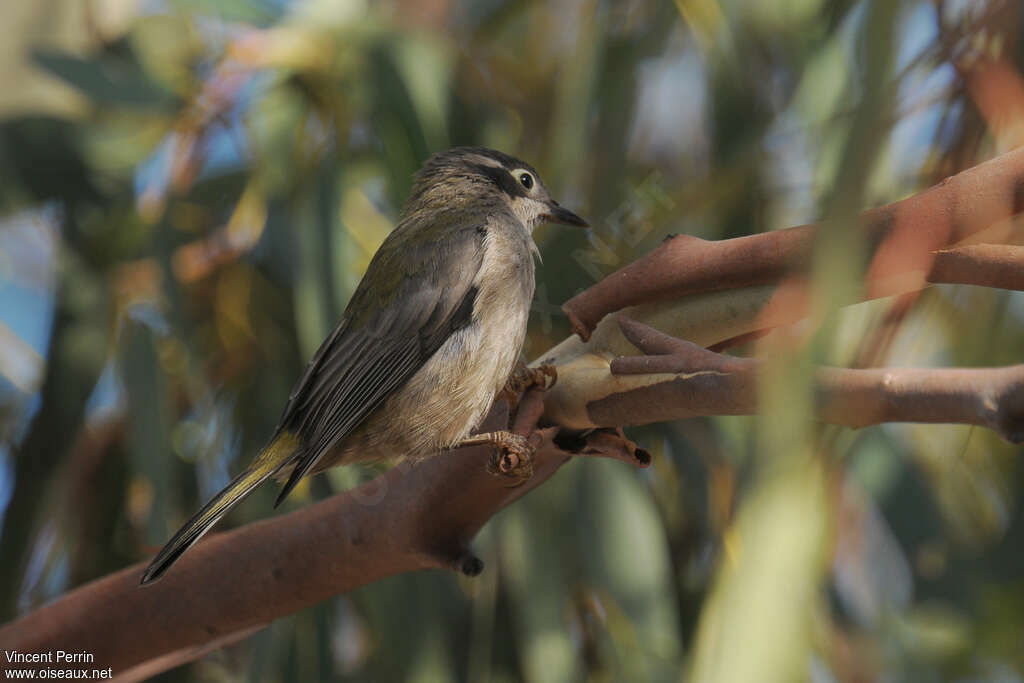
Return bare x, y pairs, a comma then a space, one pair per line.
513, 459
522, 378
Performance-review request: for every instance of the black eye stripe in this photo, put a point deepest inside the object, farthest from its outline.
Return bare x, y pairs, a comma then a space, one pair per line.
501, 178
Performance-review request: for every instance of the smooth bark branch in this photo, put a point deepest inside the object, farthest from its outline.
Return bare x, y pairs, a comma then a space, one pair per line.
415, 516
908, 233
687, 381
987, 265
410, 518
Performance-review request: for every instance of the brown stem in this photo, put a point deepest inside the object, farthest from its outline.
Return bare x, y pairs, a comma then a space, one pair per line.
612, 443
707, 383
683, 264
908, 233
987, 265
415, 516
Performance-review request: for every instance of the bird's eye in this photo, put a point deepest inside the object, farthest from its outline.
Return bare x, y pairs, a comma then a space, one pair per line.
526, 179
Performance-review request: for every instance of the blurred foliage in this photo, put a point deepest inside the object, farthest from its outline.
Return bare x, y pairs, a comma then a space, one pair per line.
191, 189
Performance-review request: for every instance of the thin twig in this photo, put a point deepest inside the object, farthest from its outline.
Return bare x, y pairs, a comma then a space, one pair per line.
687, 381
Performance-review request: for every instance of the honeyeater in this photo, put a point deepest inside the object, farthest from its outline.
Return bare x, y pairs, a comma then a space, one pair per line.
429, 337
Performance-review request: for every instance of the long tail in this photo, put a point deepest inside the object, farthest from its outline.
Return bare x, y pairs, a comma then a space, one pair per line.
273, 458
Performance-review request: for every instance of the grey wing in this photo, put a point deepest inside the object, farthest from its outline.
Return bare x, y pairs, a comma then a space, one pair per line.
381, 342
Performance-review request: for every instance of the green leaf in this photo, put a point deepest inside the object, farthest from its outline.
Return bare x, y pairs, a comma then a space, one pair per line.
104, 80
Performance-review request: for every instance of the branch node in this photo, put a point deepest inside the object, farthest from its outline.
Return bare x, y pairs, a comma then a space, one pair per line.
470, 565
614, 444
578, 326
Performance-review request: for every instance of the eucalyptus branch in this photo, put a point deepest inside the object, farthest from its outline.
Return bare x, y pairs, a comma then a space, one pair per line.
988, 265
415, 516
678, 379
911, 235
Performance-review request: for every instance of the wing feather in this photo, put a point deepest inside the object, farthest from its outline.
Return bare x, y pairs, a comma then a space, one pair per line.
380, 343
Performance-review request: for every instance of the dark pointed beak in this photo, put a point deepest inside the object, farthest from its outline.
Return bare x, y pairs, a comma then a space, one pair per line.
559, 214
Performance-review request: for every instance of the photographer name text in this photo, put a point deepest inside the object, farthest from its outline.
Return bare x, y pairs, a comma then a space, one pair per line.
52, 657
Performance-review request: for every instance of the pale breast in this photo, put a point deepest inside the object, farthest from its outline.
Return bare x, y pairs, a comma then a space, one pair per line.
460, 381
453, 391
505, 289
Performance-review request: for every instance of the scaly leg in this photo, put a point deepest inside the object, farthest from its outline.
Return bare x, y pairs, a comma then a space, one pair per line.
513, 457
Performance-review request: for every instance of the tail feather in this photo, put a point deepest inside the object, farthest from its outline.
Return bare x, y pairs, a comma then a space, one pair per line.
267, 464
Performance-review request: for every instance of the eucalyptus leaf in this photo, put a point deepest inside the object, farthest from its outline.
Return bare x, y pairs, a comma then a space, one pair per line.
105, 81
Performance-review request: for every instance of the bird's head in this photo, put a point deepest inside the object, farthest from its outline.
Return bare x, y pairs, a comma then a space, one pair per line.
466, 177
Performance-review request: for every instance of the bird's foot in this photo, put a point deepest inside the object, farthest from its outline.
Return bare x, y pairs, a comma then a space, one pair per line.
513, 460
522, 378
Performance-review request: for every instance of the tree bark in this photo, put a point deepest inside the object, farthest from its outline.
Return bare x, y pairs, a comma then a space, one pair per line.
908, 233
415, 516
690, 381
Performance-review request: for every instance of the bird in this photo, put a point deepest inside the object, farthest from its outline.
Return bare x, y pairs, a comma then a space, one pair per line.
428, 339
